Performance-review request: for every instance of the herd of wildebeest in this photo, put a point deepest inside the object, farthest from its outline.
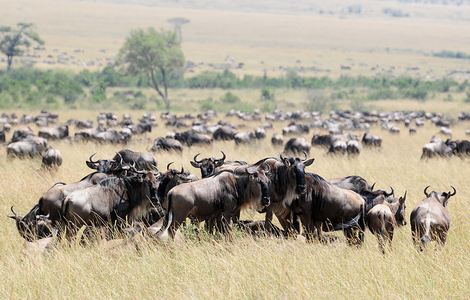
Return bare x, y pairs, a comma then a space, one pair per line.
129, 193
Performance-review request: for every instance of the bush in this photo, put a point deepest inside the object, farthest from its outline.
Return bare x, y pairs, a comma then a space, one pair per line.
207, 104
230, 98
267, 95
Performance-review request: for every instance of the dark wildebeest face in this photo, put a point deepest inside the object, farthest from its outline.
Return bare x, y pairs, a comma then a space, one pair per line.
298, 167
443, 197
33, 225
103, 165
172, 178
260, 175
208, 165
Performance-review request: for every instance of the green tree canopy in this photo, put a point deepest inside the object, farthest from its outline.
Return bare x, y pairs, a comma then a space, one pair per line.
157, 54
14, 41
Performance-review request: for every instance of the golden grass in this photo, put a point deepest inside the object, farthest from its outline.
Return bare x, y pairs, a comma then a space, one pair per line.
276, 39
246, 268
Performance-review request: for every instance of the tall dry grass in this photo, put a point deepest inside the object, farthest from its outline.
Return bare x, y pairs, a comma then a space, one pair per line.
246, 268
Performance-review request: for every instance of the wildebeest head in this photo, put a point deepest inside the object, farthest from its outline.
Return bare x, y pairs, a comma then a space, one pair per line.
260, 175
103, 165
443, 197
298, 166
208, 165
33, 225
172, 178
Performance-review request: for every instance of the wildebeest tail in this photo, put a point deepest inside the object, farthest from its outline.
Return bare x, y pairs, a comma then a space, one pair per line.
362, 218
426, 237
168, 217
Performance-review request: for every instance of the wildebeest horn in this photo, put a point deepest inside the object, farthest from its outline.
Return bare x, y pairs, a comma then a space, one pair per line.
168, 166
91, 158
425, 191
392, 192
372, 187
15, 215
195, 158
453, 193
182, 170
305, 154
120, 157
223, 156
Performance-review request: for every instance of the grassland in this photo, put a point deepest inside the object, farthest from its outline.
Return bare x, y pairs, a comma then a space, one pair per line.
261, 38
245, 268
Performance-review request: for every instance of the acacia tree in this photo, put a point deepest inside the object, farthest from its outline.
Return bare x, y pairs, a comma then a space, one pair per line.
14, 41
156, 54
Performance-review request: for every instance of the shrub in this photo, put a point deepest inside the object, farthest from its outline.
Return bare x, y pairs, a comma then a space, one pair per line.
267, 95
230, 98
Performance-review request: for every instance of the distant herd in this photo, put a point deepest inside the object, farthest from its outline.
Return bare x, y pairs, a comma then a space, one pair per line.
128, 192
344, 132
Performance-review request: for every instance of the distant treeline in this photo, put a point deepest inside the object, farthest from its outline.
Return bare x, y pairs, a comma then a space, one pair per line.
52, 88
452, 54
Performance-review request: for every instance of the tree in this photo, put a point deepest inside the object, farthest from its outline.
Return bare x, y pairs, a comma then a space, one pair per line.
177, 24
156, 54
14, 41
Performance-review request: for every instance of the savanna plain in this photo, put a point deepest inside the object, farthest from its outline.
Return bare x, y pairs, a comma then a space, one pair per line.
268, 38
244, 267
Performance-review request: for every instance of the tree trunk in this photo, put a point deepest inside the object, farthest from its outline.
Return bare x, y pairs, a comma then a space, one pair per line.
164, 94
9, 62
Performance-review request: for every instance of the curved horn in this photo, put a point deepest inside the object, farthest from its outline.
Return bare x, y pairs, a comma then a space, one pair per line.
195, 158
13, 212
404, 196
305, 154
372, 187
223, 156
120, 157
182, 170
425, 191
392, 192
168, 166
453, 193
91, 158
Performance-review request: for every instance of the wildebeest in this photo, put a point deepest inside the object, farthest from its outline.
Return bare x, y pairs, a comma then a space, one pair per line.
142, 161
54, 133
430, 219
277, 139
371, 140
31, 146
114, 199
21, 134
212, 165
338, 147
52, 158
167, 144
224, 133
244, 137
384, 217
352, 147
191, 138
326, 207
354, 183
33, 225
219, 196
295, 129
287, 182
436, 148
296, 146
